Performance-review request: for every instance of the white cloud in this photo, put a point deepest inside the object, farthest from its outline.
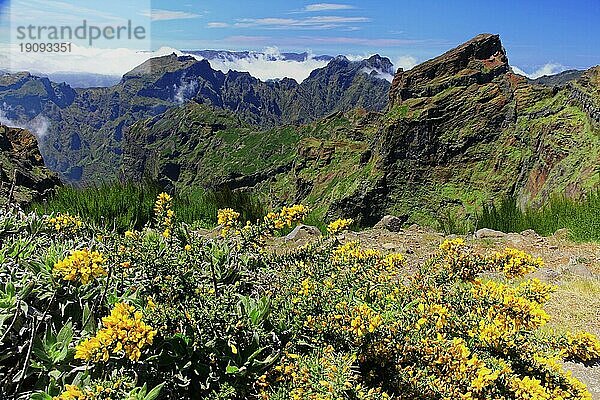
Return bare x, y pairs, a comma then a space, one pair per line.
59, 12
405, 62
38, 125
319, 23
327, 7
378, 73
167, 15
185, 90
547, 69
269, 64
217, 25
115, 62
265, 65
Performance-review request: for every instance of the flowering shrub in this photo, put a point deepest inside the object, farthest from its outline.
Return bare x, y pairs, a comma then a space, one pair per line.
582, 346
227, 318
82, 265
64, 222
123, 332
339, 225
515, 263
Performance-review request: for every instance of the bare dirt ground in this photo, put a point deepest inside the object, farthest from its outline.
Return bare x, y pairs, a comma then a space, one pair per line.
574, 268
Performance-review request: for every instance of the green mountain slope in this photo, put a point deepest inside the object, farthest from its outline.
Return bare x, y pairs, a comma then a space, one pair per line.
83, 128
460, 130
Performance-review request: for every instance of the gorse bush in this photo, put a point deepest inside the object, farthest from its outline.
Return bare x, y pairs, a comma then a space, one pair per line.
581, 218
130, 205
87, 312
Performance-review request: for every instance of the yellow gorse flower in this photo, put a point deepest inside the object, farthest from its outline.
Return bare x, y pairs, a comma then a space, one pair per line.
227, 218
64, 222
272, 219
529, 389
339, 225
452, 245
516, 263
535, 290
583, 346
82, 265
293, 214
508, 313
124, 333
352, 251
286, 217
365, 320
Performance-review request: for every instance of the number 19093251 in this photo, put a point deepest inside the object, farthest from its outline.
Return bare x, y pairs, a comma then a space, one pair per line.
45, 47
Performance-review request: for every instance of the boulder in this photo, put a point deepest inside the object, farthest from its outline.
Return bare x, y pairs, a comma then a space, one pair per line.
562, 234
303, 232
530, 233
486, 233
391, 223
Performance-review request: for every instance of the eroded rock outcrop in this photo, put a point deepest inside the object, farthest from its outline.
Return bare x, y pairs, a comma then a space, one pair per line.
462, 128
22, 163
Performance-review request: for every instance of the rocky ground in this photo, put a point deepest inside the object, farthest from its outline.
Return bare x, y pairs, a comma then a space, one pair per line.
573, 267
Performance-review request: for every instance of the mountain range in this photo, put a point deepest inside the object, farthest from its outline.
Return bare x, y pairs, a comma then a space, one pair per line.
226, 55
444, 137
460, 130
83, 128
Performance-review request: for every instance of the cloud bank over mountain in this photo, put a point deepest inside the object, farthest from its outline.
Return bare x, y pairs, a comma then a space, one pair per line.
267, 64
547, 69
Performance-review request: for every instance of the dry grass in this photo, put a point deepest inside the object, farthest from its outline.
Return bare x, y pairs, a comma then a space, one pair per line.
576, 306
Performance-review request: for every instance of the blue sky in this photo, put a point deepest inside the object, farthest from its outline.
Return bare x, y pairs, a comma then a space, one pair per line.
534, 32
547, 34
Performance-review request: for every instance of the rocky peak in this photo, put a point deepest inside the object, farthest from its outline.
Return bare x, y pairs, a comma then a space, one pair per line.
381, 64
157, 66
591, 79
479, 60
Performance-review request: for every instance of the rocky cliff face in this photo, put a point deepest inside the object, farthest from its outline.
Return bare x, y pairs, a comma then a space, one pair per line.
477, 61
585, 92
462, 129
22, 163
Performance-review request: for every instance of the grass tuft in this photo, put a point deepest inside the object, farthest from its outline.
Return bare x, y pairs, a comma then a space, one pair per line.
581, 218
125, 206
